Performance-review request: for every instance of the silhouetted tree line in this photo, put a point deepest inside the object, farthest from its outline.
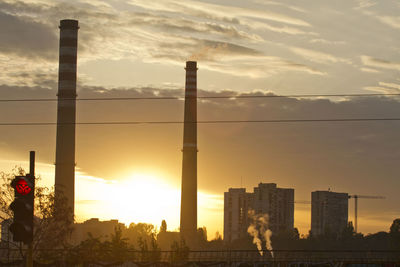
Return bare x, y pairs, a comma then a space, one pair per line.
142, 242
348, 239
119, 248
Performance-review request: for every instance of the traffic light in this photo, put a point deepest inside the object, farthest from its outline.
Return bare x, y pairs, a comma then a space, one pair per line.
22, 206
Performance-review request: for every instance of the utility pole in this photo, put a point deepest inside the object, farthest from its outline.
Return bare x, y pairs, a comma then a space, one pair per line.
29, 257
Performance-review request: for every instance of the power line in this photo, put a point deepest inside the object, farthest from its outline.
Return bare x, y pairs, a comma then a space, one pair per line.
199, 97
198, 122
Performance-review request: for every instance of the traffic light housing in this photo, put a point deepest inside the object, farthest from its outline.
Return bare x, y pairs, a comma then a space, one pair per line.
22, 206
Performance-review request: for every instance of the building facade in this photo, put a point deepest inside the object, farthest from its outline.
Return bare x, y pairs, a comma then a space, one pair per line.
267, 198
237, 204
329, 212
278, 203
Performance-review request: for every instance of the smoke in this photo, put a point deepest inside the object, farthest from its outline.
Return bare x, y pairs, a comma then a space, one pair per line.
254, 233
259, 229
209, 52
268, 243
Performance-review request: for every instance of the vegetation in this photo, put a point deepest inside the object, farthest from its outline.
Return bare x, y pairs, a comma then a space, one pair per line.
52, 222
138, 242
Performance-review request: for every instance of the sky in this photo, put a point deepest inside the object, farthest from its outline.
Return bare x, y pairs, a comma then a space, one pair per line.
135, 48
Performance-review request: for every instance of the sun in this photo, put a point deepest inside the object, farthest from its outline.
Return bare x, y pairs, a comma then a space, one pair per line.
142, 197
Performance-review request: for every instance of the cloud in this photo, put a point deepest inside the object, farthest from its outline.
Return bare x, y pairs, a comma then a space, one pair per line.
318, 57
365, 4
323, 41
284, 29
393, 22
181, 25
27, 38
273, 3
218, 12
207, 50
390, 85
259, 67
379, 63
106, 33
384, 87
370, 70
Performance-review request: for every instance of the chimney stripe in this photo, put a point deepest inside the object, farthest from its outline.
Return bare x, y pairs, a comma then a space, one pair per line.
66, 94
190, 93
69, 76
67, 67
68, 51
68, 59
66, 85
190, 145
66, 103
69, 42
69, 33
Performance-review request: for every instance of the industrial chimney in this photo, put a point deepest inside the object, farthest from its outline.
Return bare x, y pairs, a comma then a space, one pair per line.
66, 109
188, 225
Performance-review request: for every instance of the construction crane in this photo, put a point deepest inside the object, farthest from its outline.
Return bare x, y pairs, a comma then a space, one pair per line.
356, 197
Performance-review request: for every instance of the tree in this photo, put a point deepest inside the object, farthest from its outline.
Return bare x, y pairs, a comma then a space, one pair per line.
348, 232
395, 234
202, 237
149, 255
52, 222
163, 227
89, 250
179, 251
139, 230
117, 249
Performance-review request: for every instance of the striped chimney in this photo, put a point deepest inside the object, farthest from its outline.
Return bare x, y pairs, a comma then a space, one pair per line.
66, 110
188, 226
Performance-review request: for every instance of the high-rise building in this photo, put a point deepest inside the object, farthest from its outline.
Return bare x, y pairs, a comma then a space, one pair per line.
329, 212
277, 203
237, 204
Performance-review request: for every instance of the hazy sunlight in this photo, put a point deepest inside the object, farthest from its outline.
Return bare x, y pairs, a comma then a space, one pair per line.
141, 197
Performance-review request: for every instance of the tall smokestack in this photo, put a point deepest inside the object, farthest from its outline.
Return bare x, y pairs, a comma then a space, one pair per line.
66, 110
188, 225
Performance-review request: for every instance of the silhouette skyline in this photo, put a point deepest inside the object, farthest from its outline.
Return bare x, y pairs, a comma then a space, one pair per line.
243, 48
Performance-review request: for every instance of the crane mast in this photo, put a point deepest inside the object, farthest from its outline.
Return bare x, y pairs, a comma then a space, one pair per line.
356, 197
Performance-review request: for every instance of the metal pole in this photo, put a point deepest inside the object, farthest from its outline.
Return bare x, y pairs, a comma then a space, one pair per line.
32, 163
355, 212
29, 257
8, 241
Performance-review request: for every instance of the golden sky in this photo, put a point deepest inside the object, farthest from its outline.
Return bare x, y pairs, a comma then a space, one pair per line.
137, 48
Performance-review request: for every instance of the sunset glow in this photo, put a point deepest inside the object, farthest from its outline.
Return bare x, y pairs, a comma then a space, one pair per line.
136, 101
141, 197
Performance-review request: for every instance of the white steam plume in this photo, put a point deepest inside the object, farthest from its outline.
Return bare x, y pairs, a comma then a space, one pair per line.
254, 233
259, 226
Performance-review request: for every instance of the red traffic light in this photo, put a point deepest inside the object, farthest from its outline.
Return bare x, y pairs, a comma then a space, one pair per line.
22, 207
22, 187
